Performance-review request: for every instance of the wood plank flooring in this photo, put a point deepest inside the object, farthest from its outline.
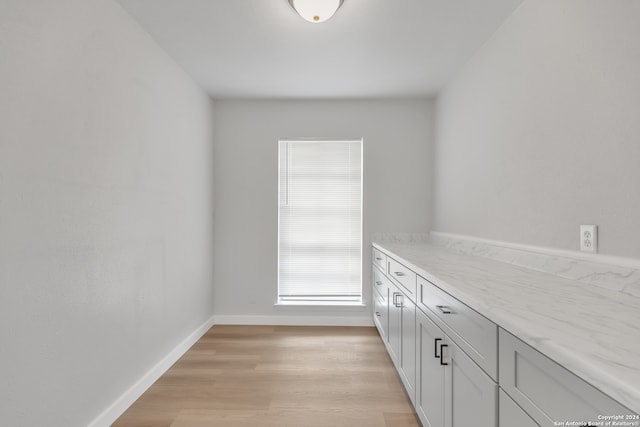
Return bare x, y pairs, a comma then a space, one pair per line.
239, 376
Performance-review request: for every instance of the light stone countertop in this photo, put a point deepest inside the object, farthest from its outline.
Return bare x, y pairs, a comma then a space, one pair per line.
593, 331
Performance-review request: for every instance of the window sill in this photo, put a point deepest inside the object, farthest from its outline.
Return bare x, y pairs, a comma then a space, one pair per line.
317, 305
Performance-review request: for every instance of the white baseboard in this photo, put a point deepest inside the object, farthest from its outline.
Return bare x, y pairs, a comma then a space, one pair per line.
294, 320
106, 418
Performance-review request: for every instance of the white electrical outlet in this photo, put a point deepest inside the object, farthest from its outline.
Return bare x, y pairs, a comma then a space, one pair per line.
589, 238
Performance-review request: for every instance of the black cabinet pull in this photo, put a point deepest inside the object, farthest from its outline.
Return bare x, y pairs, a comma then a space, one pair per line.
395, 299
444, 309
442, 362
436, 347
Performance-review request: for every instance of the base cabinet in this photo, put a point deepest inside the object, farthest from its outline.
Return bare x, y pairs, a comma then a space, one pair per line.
460, 369
548, 392
430, 374
395, 325
451, 390
407, 361
402, 318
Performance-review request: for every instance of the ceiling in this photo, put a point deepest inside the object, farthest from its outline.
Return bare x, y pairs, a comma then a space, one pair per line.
369, 49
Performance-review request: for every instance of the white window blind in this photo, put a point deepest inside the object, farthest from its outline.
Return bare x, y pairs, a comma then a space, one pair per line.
320, 221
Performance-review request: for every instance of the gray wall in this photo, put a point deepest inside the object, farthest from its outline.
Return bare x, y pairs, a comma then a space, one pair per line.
397, 151
540, 131
106, 204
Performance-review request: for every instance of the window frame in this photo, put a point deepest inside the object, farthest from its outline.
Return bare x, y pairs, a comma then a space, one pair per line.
320, 303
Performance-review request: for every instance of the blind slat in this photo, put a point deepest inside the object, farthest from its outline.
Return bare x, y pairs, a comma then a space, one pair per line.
320, 220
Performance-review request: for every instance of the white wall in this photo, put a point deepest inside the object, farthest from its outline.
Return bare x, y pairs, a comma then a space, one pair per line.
540, 132
106, 204
397, 169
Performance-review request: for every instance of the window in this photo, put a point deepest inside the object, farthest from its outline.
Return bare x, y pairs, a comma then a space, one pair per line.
320, 222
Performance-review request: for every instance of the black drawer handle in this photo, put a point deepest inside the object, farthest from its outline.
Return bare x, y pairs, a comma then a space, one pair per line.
442, 362
444, 309
378, 259
436, 341
378, 283
395, 300
398, 273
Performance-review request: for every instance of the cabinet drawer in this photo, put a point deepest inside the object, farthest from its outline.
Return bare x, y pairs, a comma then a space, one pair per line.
546, 390
404, 276
379, 281
381, 314
474, 333
379, 259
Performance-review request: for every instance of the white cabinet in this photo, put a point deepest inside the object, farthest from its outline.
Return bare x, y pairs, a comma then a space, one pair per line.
407, 359
402, 338
394, 338
460, 369
395, 318
381, 294
451, 389
430, 375
548, 392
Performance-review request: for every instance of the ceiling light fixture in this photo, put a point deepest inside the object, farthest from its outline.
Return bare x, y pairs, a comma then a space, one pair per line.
316, 11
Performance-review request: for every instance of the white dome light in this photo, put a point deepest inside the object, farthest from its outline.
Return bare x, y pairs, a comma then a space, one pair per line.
316, 11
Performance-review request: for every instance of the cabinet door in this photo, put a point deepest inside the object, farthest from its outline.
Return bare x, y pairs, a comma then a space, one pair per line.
548, 392
395, 325
407, 366
512, 415
430, 375
470, 394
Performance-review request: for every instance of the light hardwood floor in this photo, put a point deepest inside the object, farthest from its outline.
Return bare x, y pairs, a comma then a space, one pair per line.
278, 376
